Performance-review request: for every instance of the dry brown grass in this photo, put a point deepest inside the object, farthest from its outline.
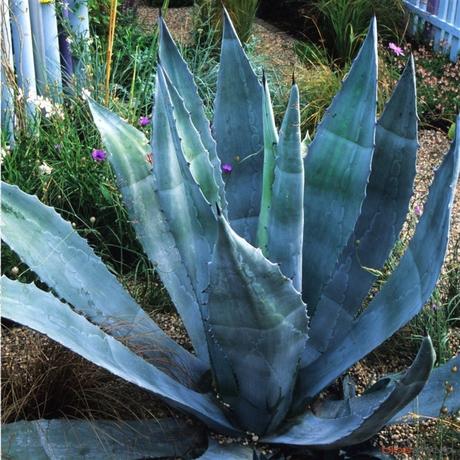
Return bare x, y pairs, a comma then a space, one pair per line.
42, 379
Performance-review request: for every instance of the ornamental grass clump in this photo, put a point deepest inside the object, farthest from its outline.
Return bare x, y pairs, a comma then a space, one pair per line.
267, 246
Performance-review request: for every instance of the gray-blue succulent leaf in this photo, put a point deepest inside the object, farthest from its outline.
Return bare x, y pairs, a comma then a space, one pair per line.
56, 253
63, 439
404, 293
28, 305
224, 451
439, 397
237, 127
356, 419
252, 309
381, 219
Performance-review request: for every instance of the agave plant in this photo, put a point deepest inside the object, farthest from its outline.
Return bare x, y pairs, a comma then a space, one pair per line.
268, 247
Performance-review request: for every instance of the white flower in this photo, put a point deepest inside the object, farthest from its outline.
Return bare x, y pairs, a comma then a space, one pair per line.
3, 153
45, 169
47, 107
85, 94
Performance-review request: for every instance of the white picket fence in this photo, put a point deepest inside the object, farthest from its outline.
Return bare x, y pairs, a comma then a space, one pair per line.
443, 16
35, 51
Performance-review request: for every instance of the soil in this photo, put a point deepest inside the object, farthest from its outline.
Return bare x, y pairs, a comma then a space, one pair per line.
42, 379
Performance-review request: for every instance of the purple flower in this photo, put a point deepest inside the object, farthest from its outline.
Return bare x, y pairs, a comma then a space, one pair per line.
396, 49
418, 210
227, 168
144, 121
99, 155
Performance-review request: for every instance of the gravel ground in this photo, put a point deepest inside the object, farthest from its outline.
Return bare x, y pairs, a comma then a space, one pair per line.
40, 378
270, 40
179, 21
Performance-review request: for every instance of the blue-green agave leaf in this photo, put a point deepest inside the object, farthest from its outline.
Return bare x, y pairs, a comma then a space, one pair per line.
441, 391
99, 439
65, 262
270, 143
238, 130
364, 415
182, 79
193, 148
189, 214
382, 216
405, 292
285, 228
337, 168
128, 155
39, 310
252, 309
226, 452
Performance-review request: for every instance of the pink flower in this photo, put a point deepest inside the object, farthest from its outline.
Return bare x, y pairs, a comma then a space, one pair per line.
99, 155
417, 210
396, 49
144, 121
227, 168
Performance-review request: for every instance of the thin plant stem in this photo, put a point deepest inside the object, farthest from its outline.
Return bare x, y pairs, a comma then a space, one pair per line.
112, 22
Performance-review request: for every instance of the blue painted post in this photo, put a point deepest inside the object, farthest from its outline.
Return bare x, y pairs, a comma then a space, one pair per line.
52, 58
79, 24
23, 52
38, 43
79, 18
64, 45
7, 72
